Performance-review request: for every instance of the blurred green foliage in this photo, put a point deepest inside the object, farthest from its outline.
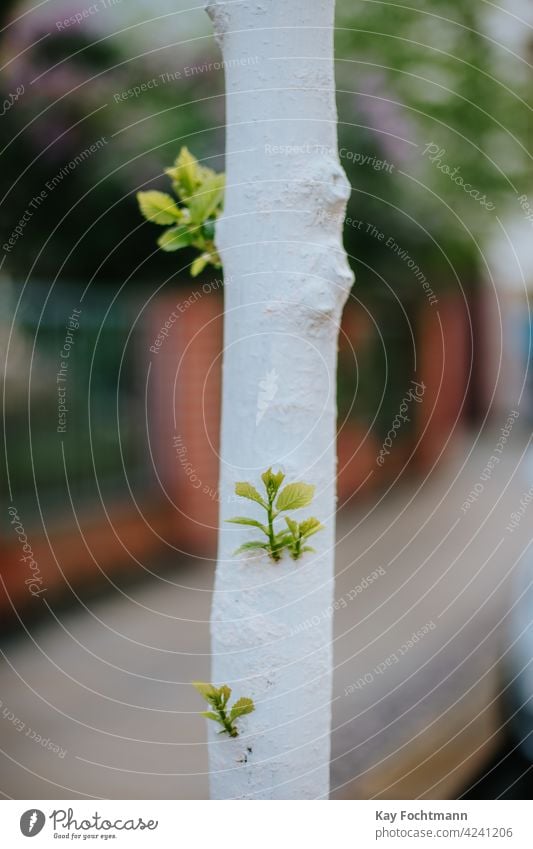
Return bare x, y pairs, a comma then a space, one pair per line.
81, 87
409, 76
428, 74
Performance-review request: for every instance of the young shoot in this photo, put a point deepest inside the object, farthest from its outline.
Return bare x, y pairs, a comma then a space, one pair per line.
293, 535
218, 698
191, 218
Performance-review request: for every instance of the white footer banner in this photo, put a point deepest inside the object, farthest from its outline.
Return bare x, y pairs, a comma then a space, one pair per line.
256, 824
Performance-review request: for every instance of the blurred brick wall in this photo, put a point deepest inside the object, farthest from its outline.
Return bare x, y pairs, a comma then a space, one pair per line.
185, 404
183, 415
444, 347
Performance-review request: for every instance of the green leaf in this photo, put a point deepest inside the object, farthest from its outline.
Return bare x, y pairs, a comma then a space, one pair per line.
186, 172
281, 542
310, 526
199, 264
208, 229
158, 207
207, 691
206, 198
272, 481
243, 520
308, 548
246, 490
225, 693
174, 239
251, 546
294, 496
283, 537
293, 527
210, 715
241, 708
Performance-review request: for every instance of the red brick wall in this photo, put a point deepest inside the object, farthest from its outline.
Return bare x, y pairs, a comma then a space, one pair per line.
184, 402
444, 351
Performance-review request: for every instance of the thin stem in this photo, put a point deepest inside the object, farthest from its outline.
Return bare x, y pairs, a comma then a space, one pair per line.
227, 722
271, 535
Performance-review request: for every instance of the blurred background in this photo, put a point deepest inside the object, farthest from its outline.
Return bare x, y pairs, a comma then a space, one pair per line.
108, 530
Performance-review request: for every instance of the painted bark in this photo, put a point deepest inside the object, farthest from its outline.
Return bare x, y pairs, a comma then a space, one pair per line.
287, 280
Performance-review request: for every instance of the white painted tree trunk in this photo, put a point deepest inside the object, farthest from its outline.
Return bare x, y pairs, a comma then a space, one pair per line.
287, 280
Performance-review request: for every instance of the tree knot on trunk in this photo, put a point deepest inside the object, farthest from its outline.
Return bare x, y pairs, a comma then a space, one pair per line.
330, 183
333, 279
